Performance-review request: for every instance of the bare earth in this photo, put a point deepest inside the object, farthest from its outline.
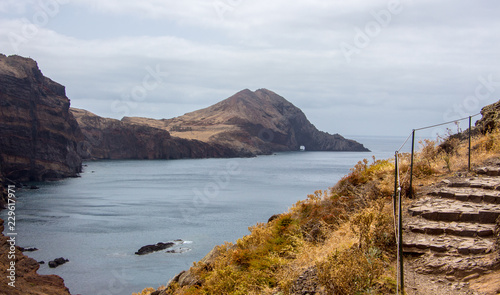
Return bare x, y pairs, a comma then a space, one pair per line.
420, 284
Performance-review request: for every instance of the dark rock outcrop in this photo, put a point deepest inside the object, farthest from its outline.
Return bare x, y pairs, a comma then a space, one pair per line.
57, 262
491, 118
30, 249
154, 248
179, 250
307, 283
260, 122
107, 138
187, 278
40, 136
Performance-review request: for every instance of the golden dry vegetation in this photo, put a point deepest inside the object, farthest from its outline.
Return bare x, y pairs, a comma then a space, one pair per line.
345, 233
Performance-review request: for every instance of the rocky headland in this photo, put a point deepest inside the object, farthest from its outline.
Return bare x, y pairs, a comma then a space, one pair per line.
259, 122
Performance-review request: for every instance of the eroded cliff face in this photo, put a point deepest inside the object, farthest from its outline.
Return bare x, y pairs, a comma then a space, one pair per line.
299, 130
107, 138
259, 122
40, 137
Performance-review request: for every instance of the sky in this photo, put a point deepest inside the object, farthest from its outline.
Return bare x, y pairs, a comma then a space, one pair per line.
354, 67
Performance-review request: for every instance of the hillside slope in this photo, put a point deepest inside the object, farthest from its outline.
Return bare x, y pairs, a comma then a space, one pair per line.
342, 240
260, 122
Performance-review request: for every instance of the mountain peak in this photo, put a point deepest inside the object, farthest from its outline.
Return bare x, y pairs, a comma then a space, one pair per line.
258, 121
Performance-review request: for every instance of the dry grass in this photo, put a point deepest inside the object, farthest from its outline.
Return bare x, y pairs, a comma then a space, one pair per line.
352, 217
346, 232
146, 291
443, 158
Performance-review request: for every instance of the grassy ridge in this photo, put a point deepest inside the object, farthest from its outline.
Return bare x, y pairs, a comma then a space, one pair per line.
344, 235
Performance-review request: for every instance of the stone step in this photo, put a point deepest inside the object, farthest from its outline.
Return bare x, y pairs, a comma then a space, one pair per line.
456, 265
439, 209
476, 195
414, 242
490, 183
489, 170
463, 229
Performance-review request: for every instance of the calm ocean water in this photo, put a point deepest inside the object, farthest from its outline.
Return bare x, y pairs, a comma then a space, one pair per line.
100, 219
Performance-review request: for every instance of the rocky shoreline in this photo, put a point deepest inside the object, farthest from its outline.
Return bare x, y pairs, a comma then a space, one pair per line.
27, 280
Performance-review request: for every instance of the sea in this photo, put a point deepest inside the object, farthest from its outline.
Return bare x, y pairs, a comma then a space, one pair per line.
100, 219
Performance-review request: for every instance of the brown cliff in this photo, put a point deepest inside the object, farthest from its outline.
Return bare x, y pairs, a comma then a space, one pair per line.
39, 135
107, 138
260, 122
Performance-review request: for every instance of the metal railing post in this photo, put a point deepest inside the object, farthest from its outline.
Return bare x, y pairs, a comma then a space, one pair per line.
470, 134
411, 165
401, 262
395, 199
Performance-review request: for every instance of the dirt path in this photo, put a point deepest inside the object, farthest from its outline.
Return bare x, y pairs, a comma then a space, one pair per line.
421, 284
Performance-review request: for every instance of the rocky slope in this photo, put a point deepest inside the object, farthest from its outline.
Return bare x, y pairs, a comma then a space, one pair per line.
112, 139
260, 122
27, 282
490, 118
39, 135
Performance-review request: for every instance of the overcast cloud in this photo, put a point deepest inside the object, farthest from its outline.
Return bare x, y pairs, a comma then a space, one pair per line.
354, 67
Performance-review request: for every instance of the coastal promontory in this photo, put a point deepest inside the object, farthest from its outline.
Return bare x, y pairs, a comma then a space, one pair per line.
260, 122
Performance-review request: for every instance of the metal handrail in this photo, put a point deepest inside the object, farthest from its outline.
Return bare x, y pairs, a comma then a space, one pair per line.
397, 189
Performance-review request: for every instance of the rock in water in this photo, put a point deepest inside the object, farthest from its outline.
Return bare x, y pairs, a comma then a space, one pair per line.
57, 262
153, 248
30, 249
179, 251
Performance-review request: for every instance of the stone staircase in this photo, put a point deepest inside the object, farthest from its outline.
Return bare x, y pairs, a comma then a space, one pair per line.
452, 227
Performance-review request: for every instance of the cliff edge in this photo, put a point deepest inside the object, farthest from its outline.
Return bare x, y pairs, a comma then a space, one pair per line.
39, 135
